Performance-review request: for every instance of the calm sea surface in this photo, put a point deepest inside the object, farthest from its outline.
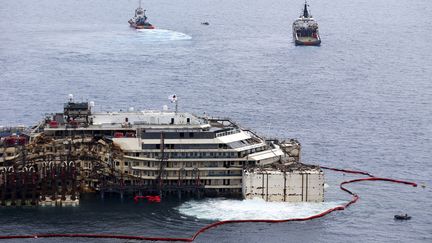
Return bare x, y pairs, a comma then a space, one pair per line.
362, 100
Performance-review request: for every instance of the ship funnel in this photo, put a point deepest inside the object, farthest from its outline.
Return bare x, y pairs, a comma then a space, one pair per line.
70, 97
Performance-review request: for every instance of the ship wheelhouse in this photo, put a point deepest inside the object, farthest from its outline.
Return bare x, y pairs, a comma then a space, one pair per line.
139, 12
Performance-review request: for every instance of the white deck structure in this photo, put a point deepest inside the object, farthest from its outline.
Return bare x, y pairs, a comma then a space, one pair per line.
173, 146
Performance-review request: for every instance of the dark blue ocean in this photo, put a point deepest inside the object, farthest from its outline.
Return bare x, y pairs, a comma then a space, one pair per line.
362, 100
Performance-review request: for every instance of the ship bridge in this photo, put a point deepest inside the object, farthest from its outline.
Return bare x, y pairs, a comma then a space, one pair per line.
150, 118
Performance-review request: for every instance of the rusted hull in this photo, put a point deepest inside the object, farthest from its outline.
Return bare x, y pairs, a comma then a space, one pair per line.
141, 27
308, 43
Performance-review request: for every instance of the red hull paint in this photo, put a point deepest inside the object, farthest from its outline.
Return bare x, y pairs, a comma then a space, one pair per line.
144, 27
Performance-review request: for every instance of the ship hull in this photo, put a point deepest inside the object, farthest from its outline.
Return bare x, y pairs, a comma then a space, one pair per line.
141, 27
147, 27
306, 41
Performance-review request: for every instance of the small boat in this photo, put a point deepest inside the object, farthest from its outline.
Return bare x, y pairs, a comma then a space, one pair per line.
402, 217
139, 21
305, 29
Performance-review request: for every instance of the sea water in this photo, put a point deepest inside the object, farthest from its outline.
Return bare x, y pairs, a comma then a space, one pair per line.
362, 100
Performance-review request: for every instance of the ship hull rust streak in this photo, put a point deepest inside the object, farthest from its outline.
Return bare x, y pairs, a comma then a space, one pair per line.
354, 199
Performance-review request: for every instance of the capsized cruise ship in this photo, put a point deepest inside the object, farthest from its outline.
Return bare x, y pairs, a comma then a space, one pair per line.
164, 152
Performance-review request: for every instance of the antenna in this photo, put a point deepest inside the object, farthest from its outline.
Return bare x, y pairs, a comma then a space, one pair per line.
305, 10
174, 99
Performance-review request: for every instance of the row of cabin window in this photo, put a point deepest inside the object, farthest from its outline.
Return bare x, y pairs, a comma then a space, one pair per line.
189, 182
177, 135
188, 164
185, 146
190, 154
198, 154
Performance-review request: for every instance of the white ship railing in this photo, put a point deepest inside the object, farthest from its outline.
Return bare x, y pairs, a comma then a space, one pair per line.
226, 133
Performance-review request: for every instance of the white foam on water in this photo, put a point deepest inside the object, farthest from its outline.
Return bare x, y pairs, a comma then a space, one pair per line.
229, 209
162, 35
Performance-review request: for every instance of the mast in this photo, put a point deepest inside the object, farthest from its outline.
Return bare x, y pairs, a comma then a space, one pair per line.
140, 3
305, 10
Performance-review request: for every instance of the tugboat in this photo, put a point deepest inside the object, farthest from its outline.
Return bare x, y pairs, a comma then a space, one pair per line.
139, 21
305, 29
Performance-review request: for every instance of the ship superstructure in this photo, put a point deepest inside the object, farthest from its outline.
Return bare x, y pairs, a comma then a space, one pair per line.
148, 152
305, 29
172, 147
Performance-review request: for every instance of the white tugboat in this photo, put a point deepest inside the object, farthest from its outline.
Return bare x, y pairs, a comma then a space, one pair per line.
139, 21
305, 29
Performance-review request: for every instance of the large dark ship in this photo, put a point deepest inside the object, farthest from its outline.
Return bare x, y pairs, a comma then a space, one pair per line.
305, 29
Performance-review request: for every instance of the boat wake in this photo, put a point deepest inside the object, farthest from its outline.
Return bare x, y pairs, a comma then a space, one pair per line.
229, 209
162, 35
